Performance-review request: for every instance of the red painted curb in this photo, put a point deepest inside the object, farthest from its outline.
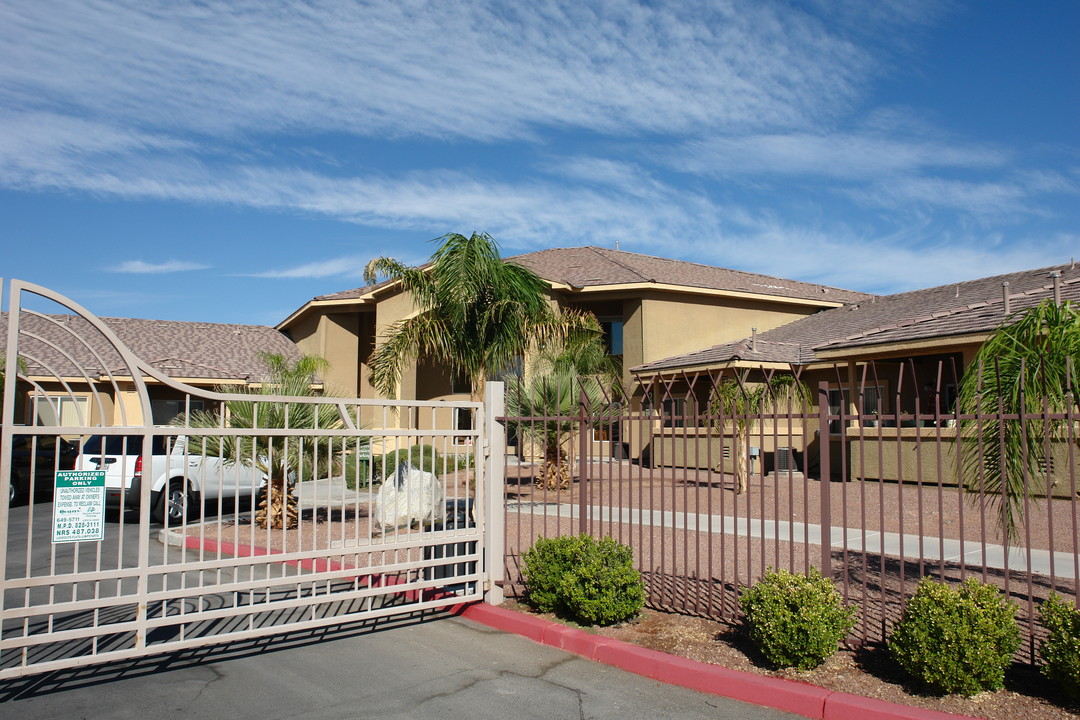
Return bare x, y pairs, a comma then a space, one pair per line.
841, 706
798, 698
788, 695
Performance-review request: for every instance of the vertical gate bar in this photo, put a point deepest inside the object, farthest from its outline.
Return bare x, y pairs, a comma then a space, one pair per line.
687, 418
864, 620
900, 479
1070, 424
939, 475
824, 463
7, 421
1002, 454
491, 491
584, 521
919, 487
710, 466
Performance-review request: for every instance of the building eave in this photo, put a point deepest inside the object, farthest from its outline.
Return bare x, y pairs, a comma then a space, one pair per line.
868, 350
691, 290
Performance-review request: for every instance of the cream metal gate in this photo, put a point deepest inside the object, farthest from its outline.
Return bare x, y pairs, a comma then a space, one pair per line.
210, 573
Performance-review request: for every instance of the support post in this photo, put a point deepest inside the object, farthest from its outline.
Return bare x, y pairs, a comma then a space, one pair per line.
494, 541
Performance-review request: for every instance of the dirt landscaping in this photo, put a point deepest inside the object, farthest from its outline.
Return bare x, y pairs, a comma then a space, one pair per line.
868, 671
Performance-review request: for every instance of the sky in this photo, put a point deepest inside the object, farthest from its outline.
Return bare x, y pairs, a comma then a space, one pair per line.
228, 161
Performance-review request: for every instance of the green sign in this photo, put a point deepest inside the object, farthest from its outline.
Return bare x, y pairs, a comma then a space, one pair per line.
79, 506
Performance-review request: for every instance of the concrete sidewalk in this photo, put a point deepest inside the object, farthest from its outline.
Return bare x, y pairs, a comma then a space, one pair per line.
442, 670
1041, 562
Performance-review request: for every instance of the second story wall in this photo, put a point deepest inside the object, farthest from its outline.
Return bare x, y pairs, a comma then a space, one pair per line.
672, 324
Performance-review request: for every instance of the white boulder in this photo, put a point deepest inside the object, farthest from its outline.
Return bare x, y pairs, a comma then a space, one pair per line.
409, 497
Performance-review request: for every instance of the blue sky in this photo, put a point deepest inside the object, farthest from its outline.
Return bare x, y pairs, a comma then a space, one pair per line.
227, 161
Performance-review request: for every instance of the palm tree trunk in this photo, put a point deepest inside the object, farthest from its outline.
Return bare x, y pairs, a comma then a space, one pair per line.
278, 509
555, 473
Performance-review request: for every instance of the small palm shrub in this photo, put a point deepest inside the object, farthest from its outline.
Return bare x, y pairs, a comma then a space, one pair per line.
956, 641
1060, 651
796, 620
579, 578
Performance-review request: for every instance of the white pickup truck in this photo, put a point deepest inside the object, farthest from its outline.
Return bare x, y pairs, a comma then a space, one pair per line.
181, 481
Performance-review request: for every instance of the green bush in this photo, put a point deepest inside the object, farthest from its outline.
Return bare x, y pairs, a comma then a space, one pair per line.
796, 620
956, 641
1060, 651
579, 578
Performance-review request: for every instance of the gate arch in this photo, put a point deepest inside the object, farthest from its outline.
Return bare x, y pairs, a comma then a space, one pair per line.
212, 573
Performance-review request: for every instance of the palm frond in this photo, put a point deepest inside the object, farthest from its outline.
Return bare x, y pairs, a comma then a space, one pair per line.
1025, 369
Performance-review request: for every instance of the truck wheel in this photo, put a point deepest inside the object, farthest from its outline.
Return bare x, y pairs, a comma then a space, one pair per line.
176, 504
15, 490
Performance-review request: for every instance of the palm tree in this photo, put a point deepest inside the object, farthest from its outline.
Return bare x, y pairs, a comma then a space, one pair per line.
571, 376
476, 314
281, 459
1026, 367
736, 404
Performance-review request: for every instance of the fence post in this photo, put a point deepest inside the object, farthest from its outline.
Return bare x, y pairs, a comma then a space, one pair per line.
825, 471
583, 465
494, 541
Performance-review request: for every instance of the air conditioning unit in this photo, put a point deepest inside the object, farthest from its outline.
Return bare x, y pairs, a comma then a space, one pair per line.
785, 464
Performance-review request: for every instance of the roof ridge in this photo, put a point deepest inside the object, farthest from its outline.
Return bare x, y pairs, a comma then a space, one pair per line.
1032, 271
604, 252
621, 264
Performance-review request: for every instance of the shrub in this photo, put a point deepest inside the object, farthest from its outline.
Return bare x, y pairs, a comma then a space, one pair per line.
579, 578
796, 620
1060, 651
956, 641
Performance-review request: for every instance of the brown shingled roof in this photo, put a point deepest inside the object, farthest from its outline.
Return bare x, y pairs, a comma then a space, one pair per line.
977, 318
974, 306
595, 266
210, 351
581, 267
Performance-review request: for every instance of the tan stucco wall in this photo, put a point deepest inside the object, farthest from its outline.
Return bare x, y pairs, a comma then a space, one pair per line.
676, 324
702, 448
911, 454
336, 337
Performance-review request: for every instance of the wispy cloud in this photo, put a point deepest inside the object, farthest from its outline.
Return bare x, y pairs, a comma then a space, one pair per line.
351, 266
469, 69
169, 266
839, 155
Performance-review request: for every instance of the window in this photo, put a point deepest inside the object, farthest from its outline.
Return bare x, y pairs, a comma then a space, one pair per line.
610, 428
613, 332
872, 396
463, 421
673, 411
460, 384
63, 410
164, 411
836, 404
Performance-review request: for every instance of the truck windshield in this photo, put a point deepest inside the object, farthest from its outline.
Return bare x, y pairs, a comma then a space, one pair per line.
122, 445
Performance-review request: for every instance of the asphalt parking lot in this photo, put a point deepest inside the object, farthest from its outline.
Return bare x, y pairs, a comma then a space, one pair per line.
433, 666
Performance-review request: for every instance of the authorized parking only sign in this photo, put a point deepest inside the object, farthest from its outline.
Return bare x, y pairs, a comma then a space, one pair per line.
79, 506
